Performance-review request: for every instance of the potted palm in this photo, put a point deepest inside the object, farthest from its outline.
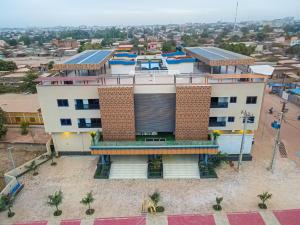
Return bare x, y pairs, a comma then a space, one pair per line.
55, 200
218, 206
155, 198
87, 200
264, 197
32, 167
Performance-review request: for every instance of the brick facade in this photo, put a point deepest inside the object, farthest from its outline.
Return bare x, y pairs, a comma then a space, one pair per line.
192, 112
117, 113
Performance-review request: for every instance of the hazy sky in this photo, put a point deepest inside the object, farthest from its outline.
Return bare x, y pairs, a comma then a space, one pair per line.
24, 13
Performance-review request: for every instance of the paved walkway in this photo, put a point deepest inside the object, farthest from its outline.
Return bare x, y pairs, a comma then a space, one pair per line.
280, 217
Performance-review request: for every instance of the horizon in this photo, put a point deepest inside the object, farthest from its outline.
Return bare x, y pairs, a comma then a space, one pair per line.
95, 13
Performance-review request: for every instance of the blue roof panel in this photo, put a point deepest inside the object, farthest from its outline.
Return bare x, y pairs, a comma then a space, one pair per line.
89, 57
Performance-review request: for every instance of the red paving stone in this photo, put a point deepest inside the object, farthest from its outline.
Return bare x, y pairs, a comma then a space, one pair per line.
191, 220
250, 218
32, 223
138, 220
288, 217
70, 222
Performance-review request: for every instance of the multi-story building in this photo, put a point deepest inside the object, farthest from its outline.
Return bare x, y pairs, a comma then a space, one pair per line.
142, 107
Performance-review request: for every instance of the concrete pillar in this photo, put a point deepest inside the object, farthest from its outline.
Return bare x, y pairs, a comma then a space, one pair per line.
226, 69
205, 159
104, 68
211, 69
235, 67
102, 159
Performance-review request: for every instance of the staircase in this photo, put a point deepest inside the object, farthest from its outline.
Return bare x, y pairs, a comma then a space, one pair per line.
181, 166
128, 167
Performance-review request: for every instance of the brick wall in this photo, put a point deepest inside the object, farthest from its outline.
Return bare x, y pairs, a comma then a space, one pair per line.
117, 113
192, 112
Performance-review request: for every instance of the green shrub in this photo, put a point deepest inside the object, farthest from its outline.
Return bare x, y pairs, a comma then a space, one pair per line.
24, 127
160, 209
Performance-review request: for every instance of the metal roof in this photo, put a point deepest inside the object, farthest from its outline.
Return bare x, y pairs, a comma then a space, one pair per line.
218, 57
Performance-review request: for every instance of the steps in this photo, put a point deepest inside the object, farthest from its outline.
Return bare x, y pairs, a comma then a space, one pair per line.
181, 166
182, 171
128, 167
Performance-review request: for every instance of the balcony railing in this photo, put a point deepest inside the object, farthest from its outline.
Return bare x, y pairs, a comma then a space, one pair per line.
153, 144
219, 105
217, 124
86, 106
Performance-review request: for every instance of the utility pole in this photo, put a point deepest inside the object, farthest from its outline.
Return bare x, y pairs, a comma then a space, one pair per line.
235, 18
277, 138
245, 117
11, 156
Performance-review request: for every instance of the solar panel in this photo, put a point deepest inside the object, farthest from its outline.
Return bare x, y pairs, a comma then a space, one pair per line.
213, 53
89, 57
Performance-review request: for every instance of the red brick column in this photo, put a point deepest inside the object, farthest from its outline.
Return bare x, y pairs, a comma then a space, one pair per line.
192, 112
117, 113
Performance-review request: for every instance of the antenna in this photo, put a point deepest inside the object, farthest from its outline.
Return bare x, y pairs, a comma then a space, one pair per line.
235, 18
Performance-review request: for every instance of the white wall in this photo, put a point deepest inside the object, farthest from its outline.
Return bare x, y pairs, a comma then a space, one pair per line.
52, 114
122, 69
68, 141
231, 143
182, 67
241, 91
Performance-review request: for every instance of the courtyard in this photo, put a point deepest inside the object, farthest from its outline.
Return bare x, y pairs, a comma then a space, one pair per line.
73, 175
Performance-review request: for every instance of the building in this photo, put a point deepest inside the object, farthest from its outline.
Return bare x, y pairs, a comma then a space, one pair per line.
21, 108
67, 43
152, 107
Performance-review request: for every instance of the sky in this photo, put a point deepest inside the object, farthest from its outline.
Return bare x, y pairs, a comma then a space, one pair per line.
45, 13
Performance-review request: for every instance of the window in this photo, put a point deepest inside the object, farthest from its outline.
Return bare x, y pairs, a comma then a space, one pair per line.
65, 122
231, 119
233, 99
18, 119
217, 121
86, 104
89, 123
251, 119
32, 119
251, 100
62, 102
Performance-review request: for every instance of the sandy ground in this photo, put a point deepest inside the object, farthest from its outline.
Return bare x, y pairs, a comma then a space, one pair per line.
35, 135
74, 176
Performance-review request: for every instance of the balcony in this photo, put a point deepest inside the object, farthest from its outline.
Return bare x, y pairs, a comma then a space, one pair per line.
89, 125
152, 147
217, 124
219, 105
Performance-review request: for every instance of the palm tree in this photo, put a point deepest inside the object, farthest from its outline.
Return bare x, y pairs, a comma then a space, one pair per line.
218, 206
6, 203
32, 167
264, 197
56, 200
87, 200
155, 198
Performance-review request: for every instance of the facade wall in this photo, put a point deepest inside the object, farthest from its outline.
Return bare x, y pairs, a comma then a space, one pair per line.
241, 91
18, 117
192, 112
117, 113
69, 141
182, 67
231, 143
122, 69
52, 114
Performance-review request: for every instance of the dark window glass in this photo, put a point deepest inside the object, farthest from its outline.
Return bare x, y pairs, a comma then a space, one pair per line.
251, 119
62, 102
65, 122
233, 99
251, 100
231, 119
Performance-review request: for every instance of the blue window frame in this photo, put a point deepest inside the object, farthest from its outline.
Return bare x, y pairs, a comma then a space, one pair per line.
81, 104
231, 119
251, 119
62, 102
89, 123
65, 122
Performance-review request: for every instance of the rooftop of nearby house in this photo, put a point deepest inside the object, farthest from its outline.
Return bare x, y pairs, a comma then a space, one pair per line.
19, 102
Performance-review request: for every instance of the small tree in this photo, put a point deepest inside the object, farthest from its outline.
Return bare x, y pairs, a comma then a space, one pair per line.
6, 203
87, 200
50, 65
3, 129
218, 206
264, 197
32, 167
51, 157
55, 200
93, 135
155, 198
24, 127
29, 84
